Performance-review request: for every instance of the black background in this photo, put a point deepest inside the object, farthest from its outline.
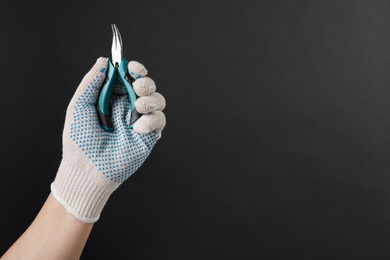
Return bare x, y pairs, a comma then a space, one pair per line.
277, 136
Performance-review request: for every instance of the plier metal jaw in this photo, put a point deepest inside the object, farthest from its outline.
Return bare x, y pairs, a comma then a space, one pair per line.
117, 70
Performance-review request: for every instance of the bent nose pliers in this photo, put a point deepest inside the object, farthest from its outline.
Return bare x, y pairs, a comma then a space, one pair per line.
116, 66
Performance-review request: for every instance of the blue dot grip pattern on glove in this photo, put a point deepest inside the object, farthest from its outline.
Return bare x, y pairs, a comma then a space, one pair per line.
117, 154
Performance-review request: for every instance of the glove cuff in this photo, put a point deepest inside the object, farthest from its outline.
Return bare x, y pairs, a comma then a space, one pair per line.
83, 193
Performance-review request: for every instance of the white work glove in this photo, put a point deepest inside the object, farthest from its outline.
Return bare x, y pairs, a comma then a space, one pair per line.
96, 162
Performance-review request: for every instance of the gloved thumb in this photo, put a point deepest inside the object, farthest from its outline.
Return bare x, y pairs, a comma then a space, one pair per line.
88, 90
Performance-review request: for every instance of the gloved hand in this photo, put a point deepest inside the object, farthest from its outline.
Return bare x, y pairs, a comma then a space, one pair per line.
96, 162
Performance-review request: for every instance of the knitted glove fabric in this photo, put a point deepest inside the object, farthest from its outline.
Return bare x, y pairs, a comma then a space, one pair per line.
96, 162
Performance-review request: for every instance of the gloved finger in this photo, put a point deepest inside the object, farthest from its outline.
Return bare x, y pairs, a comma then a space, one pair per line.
88, 90
136, 69
144, 86
152, 122
150, 103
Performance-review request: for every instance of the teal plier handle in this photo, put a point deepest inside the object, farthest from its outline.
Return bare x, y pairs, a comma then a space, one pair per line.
103, 106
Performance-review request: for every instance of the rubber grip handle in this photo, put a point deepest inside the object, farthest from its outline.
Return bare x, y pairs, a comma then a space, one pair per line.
127, 80
103, 105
